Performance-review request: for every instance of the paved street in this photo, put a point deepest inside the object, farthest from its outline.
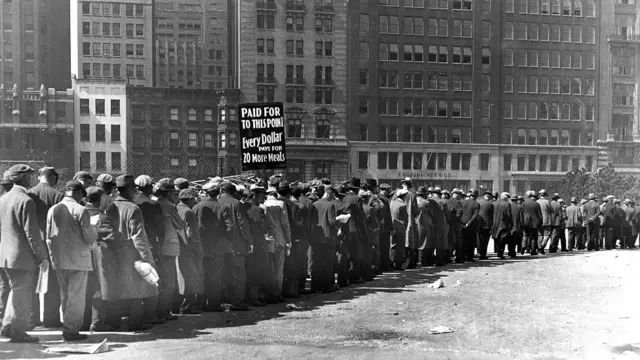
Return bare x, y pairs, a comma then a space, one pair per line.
568, 306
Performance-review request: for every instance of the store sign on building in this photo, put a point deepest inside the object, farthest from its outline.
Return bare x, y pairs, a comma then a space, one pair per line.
425, 175
262, 135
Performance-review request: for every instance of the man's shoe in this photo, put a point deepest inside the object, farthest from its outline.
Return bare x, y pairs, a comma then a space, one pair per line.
101, 328
24, 339
74, 337
5, 331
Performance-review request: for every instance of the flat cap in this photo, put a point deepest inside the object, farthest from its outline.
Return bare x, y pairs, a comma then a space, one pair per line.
143, 181
20, 169
211, 186
186, 194
94, 193
591, 196
47, 171
385, 186
124, 180
82, 175
6, 179
106, 179
574, 200
256, 188
325, 181
609, 197
164, 184
421, 191
181, 183
74, 185
401, 192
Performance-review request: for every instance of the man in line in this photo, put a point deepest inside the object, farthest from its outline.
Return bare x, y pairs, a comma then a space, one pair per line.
469, 232
45, 196
485, 219
556, 222
502, 225
592, 220
547, 221
70, 237
324, 241
573, 224
106, 182
384, 212
22, 251
278, 218
190, 260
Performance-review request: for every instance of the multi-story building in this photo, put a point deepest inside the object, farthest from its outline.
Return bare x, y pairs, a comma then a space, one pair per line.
35, 44
294, 51
112, 39
461, 93
183, 132
191, 43
36, 127
101, 125
620, 46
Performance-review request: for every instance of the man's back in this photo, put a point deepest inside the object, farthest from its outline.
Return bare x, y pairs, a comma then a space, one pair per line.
212, 230
44, 196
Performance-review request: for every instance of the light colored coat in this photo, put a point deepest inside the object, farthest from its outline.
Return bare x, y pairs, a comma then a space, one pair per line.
277, 214
70, 236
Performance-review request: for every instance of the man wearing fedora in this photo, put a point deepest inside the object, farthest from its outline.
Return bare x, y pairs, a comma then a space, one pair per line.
546, 228
502, 226
399, 217
22, 251
280, 230
45, 196
592, 219
384, 213
470, 212
106, 182
324, 242
485, 223
609, 221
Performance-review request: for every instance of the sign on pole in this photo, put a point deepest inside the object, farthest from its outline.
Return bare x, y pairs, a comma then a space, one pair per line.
262, 135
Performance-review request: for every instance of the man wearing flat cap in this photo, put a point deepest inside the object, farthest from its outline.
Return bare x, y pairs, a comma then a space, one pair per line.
546, 228
556, 219
469, 233
211, 228
70, 237
107, 183
133, 246
22, 251
5, 183
532, 222
181, 183
190, 259
45, 196
592, 220
627, 241
84, 177
259, 270
573, 223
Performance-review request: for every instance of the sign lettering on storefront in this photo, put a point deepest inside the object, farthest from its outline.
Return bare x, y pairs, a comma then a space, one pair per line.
425, 174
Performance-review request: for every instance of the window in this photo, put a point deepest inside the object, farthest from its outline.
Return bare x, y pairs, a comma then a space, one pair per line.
115, 107
364, 23
84, 107
208, 140
363, 160
363, 131
506, 162
116, 161
484, 162
323, 128
364, 50
100, 106
115, 133
486, 56
208, 114
174, 139
100, 133
486, 29
193, 140
173, 114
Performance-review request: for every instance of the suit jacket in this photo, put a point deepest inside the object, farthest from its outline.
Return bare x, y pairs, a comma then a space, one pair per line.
485, 214
574, 216
502, 218
455, 213
153, 220
107, 234
470, 211
399, 218
532, 214
173, 228
277, 215
235, 224
425, 222
517, 214
327, 225
609, 214
70, 236
45, 196
592, 212
21, 244
556, 217
440, 238
211, 228
547, 212
192, 228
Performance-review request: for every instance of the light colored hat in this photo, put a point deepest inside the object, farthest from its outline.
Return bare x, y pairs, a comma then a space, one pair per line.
143, 181
401, 192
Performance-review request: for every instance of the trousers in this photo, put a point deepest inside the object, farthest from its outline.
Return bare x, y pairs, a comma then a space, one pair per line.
51, 303
213, 275
483, 241
322, 264
593, 234
277, 265
168, 284
22, 284
73, 290
468, 244
235, 279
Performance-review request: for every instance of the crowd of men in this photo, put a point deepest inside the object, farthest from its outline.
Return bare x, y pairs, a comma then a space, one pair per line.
226, 245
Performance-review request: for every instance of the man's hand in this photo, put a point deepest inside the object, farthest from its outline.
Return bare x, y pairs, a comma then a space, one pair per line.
250, 249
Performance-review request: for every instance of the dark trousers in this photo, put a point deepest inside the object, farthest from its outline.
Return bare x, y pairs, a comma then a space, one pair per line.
468, 246
628, 241
342, 264
483, 241
410, 258
51, 311
302, 264
573, 237
384, 242
5, 289
322, 267
190, 263
134, 311
504, 239
213, 284
530, 240
18, 310
593, 235
609, 241
430, 257
396, 251
558, 238
167, 287
235, 279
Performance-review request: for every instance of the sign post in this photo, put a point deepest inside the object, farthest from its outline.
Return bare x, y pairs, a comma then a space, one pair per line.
262, 135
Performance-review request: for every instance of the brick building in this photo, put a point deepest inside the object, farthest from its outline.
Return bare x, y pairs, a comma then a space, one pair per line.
36, 127
461, 93
182, 132
295, 52
35, 44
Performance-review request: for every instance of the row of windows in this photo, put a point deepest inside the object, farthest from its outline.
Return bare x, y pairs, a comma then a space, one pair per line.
174, 113
176, 140
106, 70
550, 163
108, 29
552, 7
546, 32
414, 107
548, 85
549, 111
414, 25
100, 133
434, 134
423, 161
463, 5
322, 127
111, 9
562, 137
415, 53
97, 49
100, 107
439, 81
101, 161
266, 93
322, 48
549, 59
266, 21
266, 73
28, 110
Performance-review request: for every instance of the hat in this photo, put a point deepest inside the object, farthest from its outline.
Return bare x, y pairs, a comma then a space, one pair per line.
124, 181
445, 192
487, 192
340, 189
6, 180
74, 185
82, 175
520, 198
542, 192
325, 181
210, 186
457, 191
421, 191
627, 201
164, 184
256, 188
181, 183
555, 196
371, 182
574, 200
227, 186
283, 186
505, 194
19, 169
354, 183
94, 193
437, 190
561, 201
271, 190
591, 196
275, 179
48, 171
186, 194
143, 181
385, 186
401, 192
609, 197
406, 181
105, 179
583, 201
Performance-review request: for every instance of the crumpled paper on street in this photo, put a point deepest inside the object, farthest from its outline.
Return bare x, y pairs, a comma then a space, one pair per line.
440, 330
458, 283
436, 284
294, 307
98, 348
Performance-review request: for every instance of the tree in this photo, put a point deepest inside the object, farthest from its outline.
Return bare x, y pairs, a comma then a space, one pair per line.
605, 181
